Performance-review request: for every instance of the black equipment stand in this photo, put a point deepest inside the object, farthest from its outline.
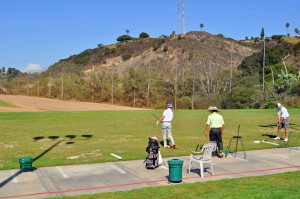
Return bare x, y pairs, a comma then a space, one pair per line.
238, 137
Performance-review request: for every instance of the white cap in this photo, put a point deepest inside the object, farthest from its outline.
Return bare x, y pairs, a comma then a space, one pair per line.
278, 104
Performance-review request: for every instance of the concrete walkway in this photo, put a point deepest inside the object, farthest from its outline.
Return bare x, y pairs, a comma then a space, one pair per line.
128, 175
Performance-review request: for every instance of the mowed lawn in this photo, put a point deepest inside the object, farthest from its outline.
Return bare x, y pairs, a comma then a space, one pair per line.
64, 138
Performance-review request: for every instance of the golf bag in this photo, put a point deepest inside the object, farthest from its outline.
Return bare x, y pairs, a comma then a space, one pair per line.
153, 152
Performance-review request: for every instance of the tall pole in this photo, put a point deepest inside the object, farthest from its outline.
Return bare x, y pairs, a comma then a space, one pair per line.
231, 79
112, 85
134, 86
27, 82
92, 84
148, 89
193, 95
18, 83
1, 78
62, 82
180, 17
263, 83
50, 84
38, 86
176, 82
62, 87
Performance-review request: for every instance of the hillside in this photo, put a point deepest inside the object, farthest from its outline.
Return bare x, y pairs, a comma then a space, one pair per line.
160, 52
192, 71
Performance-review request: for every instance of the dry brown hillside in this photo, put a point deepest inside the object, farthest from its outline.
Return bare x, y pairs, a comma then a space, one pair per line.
162, 53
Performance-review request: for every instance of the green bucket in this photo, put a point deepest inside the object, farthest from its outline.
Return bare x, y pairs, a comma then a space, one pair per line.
175, 170
25, 163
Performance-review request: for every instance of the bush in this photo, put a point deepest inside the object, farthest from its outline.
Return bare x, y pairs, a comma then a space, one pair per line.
82, 60
143, 35
124, 38
126, 57
184, 103
157, 43
277, 37
108, 51
222, 36
165, 48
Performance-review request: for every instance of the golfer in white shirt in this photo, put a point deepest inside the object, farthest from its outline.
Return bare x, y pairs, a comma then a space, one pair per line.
166, 126
283, 122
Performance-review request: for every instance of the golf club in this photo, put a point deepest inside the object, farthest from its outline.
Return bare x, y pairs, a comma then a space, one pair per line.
154, 115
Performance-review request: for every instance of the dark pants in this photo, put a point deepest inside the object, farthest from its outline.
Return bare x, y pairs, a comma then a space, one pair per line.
215, 134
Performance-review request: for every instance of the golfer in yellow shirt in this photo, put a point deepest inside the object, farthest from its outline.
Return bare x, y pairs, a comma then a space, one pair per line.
215, 125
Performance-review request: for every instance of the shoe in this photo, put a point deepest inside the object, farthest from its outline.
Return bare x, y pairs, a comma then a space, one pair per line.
173, 146
277, 138
285, 140
167, 146
221, 155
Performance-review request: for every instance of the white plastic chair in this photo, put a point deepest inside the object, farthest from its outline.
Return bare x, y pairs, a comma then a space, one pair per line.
203, 157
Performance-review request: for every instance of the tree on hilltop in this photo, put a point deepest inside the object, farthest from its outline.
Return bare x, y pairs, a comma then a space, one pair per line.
143, 35
123, 38
262, 34
287, 25
201, 26
297, 31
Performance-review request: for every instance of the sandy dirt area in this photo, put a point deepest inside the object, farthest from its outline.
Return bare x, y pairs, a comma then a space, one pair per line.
34, 104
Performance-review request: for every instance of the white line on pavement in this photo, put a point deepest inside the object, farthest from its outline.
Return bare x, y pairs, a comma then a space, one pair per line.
118, 168
283, 156
242, 159
62, 172
294, 150
238, 158
163, 167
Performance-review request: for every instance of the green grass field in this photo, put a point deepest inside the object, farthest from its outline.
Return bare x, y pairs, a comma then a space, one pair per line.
64, 138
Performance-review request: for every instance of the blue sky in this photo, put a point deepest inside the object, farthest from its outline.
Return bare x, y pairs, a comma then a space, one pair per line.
37, 33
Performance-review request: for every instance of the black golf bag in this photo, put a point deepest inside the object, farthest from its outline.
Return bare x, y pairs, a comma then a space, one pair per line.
152, 149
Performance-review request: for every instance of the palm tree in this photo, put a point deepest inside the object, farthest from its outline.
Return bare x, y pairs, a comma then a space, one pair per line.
297, 31
127, 32
262, 34
287, 25
201, 26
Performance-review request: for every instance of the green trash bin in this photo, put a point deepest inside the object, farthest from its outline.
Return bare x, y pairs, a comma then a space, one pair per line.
25, 163
175, 170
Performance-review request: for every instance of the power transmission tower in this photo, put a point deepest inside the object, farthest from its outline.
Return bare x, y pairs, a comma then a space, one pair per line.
180, 26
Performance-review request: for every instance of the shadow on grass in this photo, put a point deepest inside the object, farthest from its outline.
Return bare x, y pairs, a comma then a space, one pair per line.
37, 138
292, 126
268, 126
269, 135
86, 136
3, 183
46, 151
70, 136
162, 142
53, 137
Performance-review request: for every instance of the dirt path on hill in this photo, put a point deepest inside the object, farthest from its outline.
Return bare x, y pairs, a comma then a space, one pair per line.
34, 104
